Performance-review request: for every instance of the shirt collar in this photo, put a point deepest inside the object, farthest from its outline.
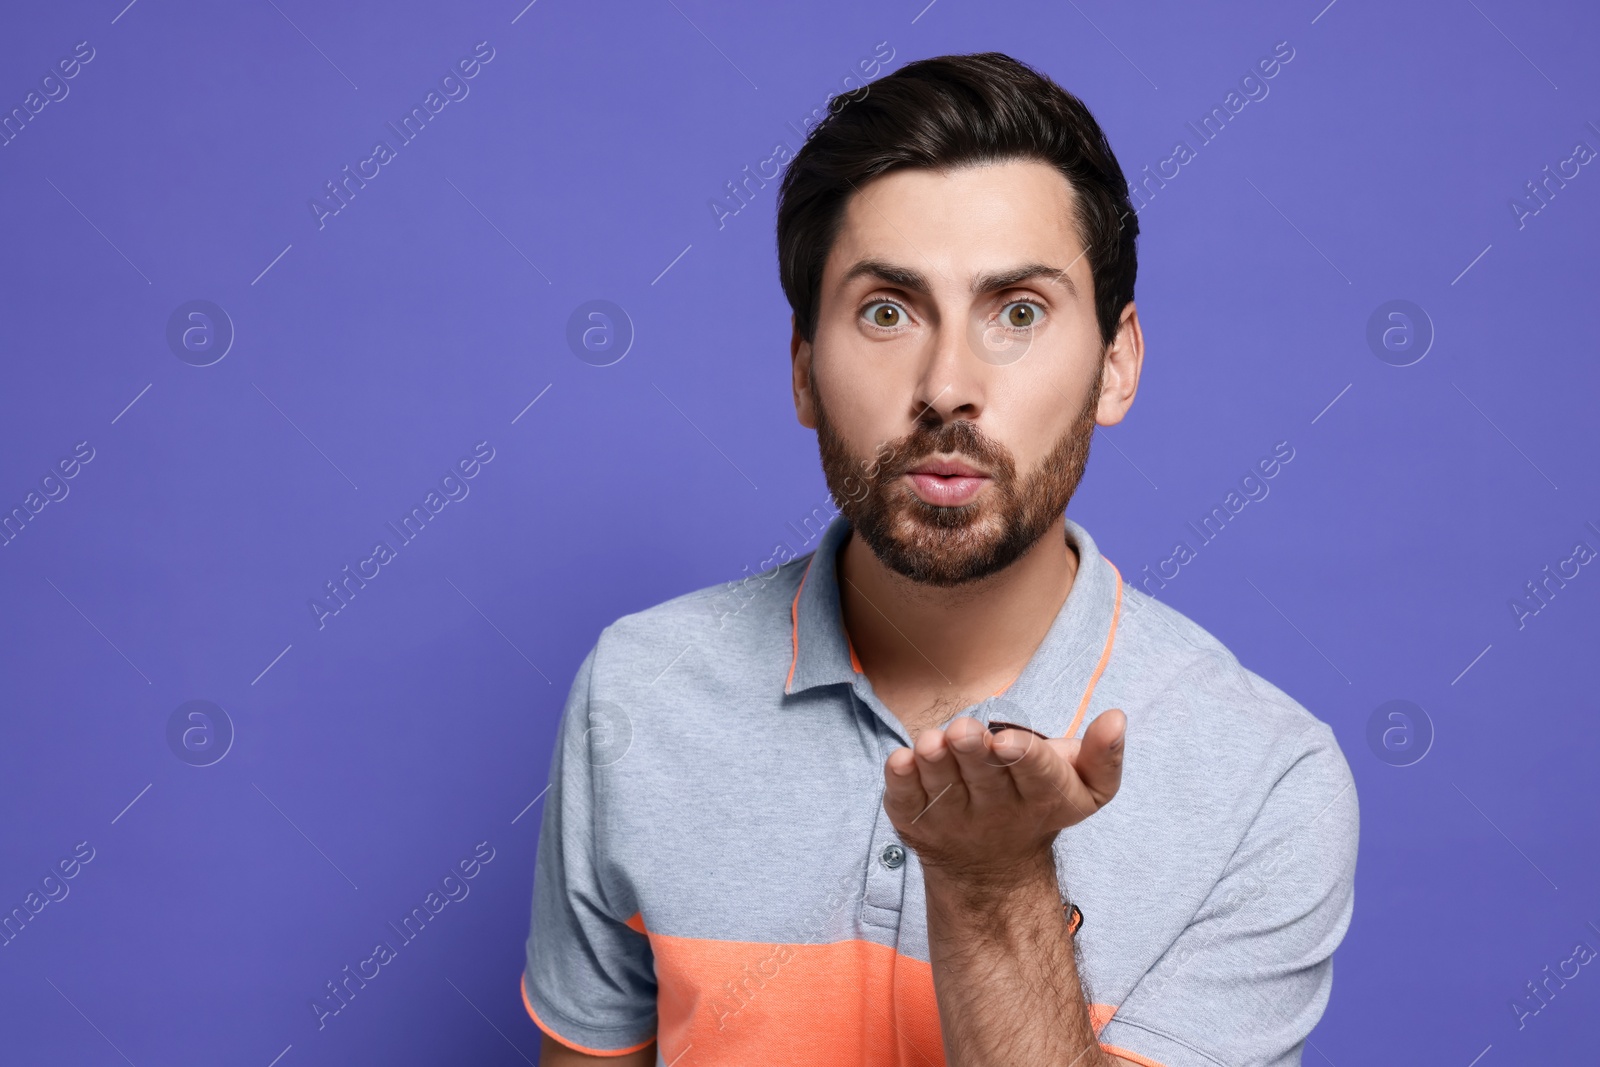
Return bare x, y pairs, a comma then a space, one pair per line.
1054, 690
821, 649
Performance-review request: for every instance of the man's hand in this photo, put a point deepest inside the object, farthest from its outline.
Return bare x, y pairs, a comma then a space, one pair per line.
982, 811
982, 807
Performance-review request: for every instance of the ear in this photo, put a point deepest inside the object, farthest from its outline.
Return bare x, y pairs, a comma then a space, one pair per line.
1119, 369
800, 366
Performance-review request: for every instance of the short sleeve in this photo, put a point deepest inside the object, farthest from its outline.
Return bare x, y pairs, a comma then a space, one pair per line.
1246, 981
590, 977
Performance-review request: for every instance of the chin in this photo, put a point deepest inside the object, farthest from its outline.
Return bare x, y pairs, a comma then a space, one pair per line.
944, 546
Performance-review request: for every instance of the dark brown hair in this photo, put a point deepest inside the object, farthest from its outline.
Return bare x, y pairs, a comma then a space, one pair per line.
942, 113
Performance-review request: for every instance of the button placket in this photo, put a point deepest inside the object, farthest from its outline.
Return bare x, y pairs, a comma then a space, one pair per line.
889, 859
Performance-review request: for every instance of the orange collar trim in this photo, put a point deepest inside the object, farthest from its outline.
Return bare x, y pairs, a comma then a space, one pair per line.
855, 664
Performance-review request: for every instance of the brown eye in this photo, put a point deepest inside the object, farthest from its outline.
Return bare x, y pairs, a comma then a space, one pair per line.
1022, 315
885, 315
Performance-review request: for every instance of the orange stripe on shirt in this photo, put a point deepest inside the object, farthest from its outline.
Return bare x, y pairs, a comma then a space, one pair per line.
738, 1002
798, 1005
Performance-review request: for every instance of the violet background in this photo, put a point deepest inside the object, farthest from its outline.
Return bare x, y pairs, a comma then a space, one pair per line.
426, 315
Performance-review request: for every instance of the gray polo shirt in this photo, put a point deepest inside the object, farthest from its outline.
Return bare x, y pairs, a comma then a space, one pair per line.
716, 871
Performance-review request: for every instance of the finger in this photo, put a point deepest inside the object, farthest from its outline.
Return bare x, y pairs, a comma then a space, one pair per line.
1099, 760
903, 795
985, 777
1027, 735
941, 776
1042, 771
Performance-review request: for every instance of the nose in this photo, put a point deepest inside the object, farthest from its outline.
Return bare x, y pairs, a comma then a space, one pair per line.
951, 383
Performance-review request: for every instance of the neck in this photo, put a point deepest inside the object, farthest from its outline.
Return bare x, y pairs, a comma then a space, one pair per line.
930, 651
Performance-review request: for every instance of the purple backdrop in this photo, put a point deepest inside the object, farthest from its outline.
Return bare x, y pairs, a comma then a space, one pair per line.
231, 363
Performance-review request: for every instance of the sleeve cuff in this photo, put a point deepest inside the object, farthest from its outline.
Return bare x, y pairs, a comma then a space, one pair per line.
1151, 1048
591, 1041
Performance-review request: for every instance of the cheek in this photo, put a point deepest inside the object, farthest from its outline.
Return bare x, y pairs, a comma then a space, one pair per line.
859, 425
1067, 364
866, 392
1030, 415
1027, 436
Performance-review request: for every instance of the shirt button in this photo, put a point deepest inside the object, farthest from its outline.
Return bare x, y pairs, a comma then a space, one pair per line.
892, 856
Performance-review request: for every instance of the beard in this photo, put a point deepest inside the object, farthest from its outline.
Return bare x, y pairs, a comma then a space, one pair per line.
950, 546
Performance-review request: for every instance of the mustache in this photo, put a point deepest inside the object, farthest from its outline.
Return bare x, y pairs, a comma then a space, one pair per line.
959, 437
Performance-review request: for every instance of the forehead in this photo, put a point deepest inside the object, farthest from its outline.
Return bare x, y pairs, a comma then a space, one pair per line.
958, 222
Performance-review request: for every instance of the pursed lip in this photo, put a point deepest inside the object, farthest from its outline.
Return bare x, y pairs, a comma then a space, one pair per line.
948, 468
947, 483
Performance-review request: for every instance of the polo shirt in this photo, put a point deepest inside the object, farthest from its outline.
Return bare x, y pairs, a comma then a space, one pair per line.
716, 872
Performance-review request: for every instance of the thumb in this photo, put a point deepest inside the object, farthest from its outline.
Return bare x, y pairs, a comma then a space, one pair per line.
1099, 759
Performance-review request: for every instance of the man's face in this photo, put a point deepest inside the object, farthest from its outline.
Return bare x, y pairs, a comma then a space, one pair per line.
955, 378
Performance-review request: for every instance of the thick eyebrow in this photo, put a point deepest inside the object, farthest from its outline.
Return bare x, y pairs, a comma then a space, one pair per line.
888, 273
989, 283
914, 281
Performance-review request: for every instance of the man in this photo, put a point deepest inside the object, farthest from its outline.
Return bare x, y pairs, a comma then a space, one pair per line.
944, 790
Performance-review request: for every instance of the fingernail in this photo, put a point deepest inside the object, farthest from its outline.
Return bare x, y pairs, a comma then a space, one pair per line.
995, 726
